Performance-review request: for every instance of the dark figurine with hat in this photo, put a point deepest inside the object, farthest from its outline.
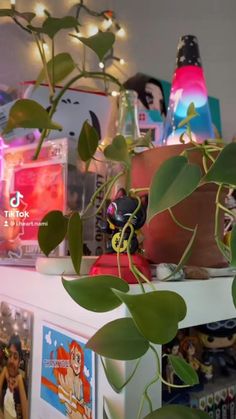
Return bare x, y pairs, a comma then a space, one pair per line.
218, 339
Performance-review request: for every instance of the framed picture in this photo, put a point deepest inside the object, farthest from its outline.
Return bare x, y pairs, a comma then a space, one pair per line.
67, 374
15, 360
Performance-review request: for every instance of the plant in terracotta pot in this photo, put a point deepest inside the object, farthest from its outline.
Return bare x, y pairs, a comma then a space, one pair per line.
154, 315
173, 182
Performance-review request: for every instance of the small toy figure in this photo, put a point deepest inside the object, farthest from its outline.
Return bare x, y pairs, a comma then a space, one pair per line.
189, 348
172, 348
218, 339
118, 213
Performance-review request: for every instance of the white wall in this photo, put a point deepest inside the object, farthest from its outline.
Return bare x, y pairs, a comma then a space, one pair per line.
153, 28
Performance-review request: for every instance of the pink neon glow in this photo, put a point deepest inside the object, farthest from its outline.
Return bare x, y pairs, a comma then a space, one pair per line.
188, 86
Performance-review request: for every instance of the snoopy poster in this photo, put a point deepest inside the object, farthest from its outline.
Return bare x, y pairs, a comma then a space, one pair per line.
67, 374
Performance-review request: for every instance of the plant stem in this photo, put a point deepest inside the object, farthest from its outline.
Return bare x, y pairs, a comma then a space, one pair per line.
222, 247
92, 74
111, 183
39, 43
178, 222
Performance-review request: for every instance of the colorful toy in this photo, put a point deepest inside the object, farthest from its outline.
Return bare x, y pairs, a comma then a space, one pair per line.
118, 214
218, 339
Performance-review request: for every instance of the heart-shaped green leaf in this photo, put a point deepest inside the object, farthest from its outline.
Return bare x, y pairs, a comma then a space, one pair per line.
6, 12
173, 182
118, 150
191, 113
75, 240
100, 43
28, 16
52, 25
233, 246
156, 314
95, 292
26, 113
113, 373
234, 291
224, 168
119, 339
88, 142
177, 412
52, 231
184, 370
58, 67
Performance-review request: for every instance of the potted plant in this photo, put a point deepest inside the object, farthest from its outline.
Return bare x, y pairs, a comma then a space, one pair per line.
174, 181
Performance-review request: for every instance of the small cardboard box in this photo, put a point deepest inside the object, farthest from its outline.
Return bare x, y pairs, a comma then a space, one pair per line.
32, 188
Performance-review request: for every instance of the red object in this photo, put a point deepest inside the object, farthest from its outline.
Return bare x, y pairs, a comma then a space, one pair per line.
107, 265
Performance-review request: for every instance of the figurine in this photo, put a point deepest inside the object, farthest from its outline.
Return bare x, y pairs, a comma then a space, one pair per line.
218, 339
188, 348
118, 213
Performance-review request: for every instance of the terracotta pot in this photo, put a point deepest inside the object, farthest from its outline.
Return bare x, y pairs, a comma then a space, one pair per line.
164, 241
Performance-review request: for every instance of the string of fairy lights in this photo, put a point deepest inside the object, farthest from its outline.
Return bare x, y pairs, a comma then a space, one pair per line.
105, 21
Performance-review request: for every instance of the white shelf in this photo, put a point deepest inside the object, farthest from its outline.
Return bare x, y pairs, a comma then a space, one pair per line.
207, 301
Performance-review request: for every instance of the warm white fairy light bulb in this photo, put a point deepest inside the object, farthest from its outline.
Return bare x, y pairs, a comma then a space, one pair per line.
106, 24
122, 61
114, 93
101, 65
39, 9
92, 30
121, 33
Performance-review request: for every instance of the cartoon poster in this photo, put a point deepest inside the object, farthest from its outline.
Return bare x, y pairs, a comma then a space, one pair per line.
67, 374
15, 360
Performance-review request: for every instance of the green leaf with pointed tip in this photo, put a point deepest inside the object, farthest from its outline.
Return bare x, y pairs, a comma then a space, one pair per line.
118, 150
184, 370
61, 65
119, 339
26, 113
156, 314
233, 246
88, 142
52, 25
52, 231
174, 181
234, 291
6, 12
75, 240
177, 412
191, 113
100, 43
95, 292
113, 373
224, 168
28, 16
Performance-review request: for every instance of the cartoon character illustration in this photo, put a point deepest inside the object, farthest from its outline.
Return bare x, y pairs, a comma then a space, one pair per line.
118, 213
74, 388
66, 374
150, 92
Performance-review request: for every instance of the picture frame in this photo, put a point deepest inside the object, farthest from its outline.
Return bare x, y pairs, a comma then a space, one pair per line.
16, 336
67, 374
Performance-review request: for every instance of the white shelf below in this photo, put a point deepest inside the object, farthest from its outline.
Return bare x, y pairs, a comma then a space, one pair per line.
207, 301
